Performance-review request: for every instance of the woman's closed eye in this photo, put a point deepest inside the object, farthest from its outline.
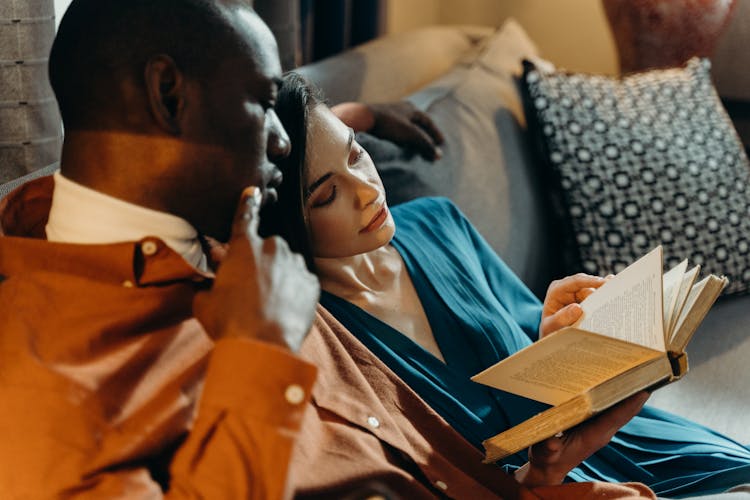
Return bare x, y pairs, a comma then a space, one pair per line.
326, 197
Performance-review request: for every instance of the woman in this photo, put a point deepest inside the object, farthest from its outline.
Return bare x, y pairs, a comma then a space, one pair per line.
425, 293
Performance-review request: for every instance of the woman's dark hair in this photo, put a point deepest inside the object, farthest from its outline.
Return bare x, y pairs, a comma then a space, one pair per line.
286, 218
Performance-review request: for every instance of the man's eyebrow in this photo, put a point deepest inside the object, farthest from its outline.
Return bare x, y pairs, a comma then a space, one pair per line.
315, 185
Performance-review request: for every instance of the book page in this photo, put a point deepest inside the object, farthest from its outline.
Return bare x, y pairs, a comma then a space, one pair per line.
701, 298
690, 302
672, 280
563, 365
629, 306
687, 284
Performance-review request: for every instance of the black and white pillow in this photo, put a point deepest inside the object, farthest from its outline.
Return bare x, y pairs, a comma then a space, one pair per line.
648, 159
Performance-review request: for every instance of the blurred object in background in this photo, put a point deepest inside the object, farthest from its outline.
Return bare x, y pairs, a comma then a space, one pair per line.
310, 30
664, 33
30, 127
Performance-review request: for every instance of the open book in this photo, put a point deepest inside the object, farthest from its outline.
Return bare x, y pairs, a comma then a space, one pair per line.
631, 336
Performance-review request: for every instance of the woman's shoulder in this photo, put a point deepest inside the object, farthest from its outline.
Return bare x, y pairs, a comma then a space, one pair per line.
434, 216
430, 207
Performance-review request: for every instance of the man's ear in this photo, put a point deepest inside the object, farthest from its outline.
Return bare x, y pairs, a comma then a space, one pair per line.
165, 85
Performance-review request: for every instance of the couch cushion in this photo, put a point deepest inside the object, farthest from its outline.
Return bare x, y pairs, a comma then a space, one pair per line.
389, 68
486, 168
649, 159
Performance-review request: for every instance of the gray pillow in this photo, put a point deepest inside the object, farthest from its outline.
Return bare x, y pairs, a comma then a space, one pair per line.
486, 168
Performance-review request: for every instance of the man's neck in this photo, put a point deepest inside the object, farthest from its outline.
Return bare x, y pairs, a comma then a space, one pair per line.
120, 164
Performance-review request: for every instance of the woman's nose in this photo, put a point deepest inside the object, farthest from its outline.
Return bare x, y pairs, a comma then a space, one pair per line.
366, 192
278, 145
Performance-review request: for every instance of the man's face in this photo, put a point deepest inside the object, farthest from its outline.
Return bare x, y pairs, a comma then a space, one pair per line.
231, 119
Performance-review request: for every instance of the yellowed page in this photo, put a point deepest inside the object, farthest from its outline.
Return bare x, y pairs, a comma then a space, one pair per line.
699, 301
671, 282
629, 306
687, 284
562, 365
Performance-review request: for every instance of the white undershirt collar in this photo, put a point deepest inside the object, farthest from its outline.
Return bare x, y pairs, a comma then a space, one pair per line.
83, 215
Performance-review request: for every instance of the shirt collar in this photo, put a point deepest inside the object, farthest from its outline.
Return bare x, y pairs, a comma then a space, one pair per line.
85, 216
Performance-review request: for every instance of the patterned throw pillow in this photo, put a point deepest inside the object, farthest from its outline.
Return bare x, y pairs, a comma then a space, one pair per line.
645, 160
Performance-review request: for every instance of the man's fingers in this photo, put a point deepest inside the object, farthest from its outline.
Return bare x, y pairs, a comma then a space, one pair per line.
425, 122
423, 143
217, 250
246, 218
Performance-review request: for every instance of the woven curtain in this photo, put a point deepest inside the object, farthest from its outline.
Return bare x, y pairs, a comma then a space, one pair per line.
30, 129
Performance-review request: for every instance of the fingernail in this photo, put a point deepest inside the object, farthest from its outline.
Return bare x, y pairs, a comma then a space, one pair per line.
438, 153
254, 195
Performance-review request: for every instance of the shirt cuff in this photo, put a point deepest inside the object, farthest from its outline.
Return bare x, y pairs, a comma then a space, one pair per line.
262, 381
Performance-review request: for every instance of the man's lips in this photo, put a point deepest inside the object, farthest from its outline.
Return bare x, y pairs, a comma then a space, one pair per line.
377, 220
270, 195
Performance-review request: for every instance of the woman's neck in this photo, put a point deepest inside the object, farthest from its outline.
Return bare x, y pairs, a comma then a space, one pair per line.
379, 283
361, 275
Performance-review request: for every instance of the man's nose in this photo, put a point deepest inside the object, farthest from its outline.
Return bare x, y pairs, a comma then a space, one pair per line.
278, 146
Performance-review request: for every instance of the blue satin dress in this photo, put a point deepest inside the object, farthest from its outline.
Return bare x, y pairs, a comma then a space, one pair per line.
480, 312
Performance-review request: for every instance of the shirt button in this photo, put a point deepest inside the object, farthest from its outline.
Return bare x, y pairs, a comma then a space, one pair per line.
127, 284
373, 422
441, 485
294, 394
149, 248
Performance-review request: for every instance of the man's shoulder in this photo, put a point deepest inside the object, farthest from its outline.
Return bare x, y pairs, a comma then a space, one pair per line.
24, 211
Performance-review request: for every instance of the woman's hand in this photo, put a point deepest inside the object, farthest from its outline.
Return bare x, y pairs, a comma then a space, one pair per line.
552, 459
561, 307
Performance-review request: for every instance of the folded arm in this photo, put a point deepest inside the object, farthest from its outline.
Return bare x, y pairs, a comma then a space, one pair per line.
399, 122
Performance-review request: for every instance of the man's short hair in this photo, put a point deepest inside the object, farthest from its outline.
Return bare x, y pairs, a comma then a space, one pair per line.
101, 43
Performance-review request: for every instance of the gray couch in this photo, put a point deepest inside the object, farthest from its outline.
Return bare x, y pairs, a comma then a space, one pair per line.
464, 78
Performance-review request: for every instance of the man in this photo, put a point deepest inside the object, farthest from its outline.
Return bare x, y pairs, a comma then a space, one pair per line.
127, 369
102, 359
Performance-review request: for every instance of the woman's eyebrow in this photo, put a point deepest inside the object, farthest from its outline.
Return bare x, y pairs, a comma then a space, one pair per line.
315, 185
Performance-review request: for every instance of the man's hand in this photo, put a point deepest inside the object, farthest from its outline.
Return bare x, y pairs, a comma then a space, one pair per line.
399, 122
552, 459
561, 307
262, 290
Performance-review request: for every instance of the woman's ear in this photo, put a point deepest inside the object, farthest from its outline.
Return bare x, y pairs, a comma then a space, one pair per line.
165, 85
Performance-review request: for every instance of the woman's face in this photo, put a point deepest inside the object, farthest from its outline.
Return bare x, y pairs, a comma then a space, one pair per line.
344, 199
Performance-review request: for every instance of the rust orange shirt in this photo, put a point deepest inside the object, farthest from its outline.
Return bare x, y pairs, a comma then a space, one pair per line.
102, 367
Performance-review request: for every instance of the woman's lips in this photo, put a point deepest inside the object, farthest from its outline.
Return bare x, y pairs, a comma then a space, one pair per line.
377, 221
